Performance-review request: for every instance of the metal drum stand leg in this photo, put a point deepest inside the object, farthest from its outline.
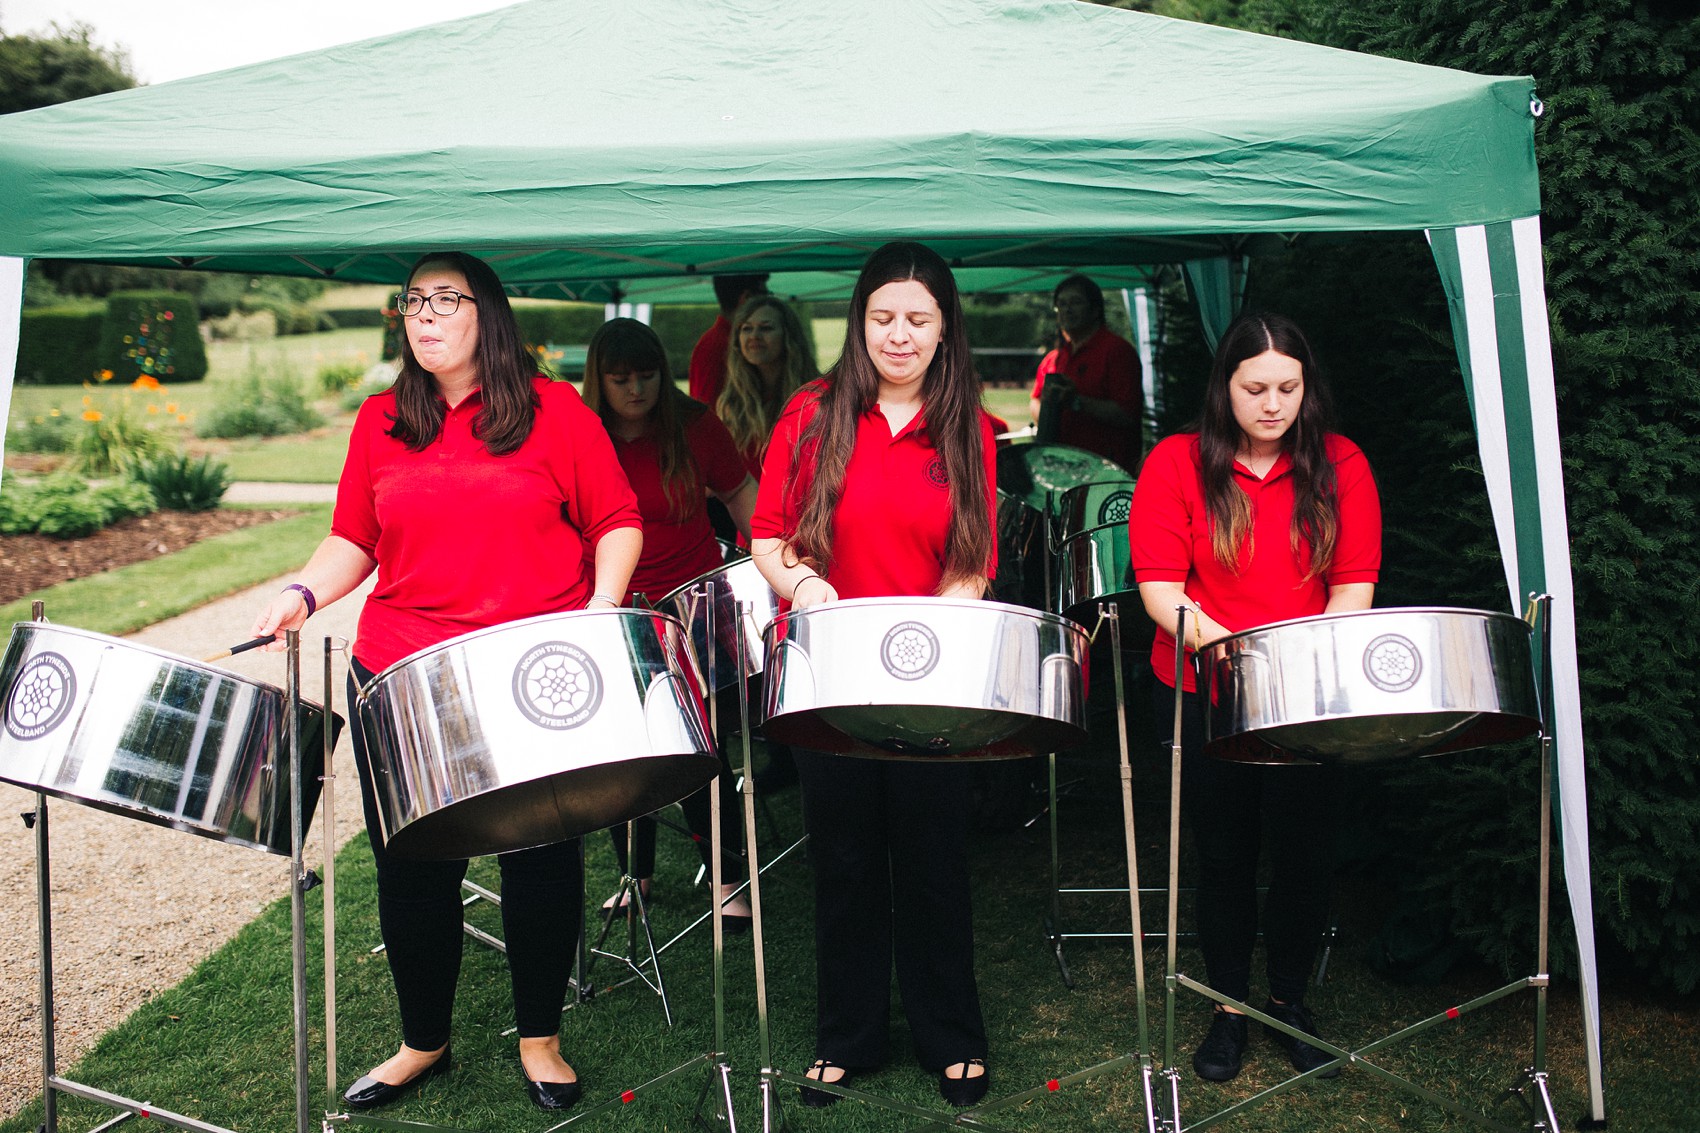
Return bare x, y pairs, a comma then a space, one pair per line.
51, 1082
1531, 1087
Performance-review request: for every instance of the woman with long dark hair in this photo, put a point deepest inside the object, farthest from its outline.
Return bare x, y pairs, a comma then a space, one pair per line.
1258, 515
675, 454
879, 482
481, 493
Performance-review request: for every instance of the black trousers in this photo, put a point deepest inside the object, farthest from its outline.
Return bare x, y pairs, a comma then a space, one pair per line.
1236, 810
419, 916
641, 860
888, 846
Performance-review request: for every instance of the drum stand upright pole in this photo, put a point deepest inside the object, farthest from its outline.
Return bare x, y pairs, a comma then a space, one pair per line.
1531, 1088
52, 1084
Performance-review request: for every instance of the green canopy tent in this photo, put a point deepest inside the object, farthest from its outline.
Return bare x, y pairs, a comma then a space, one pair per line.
632, 139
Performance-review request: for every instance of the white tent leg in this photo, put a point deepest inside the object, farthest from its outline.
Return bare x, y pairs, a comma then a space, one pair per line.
1485, 274
11, 326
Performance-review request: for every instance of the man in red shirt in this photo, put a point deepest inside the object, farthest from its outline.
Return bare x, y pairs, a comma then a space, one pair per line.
708, 357
1091, 382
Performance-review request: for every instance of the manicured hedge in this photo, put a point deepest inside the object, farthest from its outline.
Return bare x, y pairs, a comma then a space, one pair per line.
563, 324
152, 332
347, 318
60, 345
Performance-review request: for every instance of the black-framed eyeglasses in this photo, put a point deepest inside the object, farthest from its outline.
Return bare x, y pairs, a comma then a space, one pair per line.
442, 302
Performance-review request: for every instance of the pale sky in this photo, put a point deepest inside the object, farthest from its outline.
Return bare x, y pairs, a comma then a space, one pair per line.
172, 39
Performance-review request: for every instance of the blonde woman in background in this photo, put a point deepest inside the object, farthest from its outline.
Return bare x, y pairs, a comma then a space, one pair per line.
769, 359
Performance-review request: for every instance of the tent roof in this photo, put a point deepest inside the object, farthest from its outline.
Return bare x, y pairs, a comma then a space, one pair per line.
588, 139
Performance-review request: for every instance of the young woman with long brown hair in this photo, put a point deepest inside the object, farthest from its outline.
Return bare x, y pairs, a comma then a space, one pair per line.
1259, 515
675, 453
879, 482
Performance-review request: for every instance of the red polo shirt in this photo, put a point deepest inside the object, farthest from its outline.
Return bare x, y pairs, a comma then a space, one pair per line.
1169, 525
465, 540
708, 362
675, 549
1106, 366
892, 520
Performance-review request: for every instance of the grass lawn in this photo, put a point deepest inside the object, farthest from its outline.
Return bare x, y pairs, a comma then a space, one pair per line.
218, 1046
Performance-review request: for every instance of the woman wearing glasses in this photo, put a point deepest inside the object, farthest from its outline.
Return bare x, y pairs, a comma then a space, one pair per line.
463, 483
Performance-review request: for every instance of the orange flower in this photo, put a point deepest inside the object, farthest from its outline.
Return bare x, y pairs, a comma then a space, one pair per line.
171, 407
182, 417
145, 381
88, 400
91, 414
152, 408
104, 375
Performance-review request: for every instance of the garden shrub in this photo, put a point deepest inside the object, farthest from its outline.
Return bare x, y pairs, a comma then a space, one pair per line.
261, 406
110, 443
64, 507
52, 431
339, 377
156, 333
350, 318
182, 483
60, 345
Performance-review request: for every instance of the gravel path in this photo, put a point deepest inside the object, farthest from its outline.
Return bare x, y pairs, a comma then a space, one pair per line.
137, 906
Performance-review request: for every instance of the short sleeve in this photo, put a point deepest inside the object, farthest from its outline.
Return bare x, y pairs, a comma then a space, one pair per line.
785, 474
355, 517
1357, 550
598, 496
1160, 519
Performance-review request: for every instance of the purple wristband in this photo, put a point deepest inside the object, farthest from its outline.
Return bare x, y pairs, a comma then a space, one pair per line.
306, 596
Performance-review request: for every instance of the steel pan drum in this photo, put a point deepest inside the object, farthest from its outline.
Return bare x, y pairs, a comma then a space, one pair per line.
1032, 473
140, 732
1369, 686
1022, 548
1085, 507
925, 678
1097, 566
534, 732
737, 582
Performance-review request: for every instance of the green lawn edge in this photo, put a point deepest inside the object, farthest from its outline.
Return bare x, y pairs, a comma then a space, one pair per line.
132, 597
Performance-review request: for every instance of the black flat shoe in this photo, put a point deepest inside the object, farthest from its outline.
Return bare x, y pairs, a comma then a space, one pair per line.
551, 1095
1223, 1051
965, 1091
369, 1093
820, 1099
1303, 1056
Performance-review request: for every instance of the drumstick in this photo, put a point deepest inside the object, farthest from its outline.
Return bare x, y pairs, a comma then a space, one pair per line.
235, 649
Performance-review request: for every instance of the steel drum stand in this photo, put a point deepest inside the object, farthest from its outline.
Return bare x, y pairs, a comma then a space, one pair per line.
974, 1117
1530, 1088
52, 1083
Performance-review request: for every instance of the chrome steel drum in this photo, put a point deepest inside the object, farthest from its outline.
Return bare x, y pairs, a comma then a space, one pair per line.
1022, 549
1096, 566
1088, 506
534, 732
925, 678
1369, 686
1034, 473
737, 582
140, 732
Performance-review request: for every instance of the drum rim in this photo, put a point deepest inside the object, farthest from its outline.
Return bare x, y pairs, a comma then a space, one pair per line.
933, 602
501, 627
1315, 619
195, 663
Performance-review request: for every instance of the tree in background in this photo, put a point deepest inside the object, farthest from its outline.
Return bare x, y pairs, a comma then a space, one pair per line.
38, 71
1619, 153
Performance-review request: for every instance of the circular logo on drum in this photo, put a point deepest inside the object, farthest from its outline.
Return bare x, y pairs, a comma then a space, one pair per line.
1115, 507
936, 473
557, 685
41, 698
1392, 663
910, 651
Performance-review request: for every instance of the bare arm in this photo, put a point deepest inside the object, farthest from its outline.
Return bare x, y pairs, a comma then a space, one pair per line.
1161, 598
616, 558
778, 563
1349, 596
741, 503
336, 568
967, 588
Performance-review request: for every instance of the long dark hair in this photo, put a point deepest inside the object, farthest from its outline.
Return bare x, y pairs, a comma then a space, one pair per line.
1316, 511
745, 406
950, 395
504, 367
628, 345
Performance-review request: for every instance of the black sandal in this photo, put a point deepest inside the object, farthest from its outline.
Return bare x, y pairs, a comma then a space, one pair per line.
820, 1099
965, 1091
